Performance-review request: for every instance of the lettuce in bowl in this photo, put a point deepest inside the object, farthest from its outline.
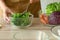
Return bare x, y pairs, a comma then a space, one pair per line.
21, 20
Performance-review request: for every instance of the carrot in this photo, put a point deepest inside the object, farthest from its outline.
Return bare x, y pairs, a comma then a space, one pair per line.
44, 19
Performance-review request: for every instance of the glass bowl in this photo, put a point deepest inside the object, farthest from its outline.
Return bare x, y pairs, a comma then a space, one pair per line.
22, 22
56, 32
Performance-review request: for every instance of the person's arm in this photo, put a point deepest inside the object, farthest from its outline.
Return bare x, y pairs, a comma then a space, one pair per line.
2, 5
4, 8
34, 1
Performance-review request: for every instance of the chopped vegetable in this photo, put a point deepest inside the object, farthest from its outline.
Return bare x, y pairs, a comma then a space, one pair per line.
20, 20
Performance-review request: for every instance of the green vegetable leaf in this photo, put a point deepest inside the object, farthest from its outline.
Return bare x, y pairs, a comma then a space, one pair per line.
52, 7
19, 20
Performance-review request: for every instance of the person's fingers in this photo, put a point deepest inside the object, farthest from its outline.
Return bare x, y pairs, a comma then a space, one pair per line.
7, 19
8, 14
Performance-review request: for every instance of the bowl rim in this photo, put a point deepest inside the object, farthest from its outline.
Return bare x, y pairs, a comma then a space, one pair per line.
56, 36
32, 16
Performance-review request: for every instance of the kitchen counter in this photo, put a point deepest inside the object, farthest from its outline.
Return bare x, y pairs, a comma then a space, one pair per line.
34, 31
36, 25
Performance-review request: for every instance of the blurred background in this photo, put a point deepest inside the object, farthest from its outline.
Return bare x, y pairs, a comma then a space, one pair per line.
17, 6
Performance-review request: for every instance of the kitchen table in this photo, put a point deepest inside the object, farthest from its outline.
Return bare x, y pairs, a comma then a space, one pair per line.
36, 31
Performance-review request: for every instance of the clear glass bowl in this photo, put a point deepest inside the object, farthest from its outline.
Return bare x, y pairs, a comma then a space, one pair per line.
22, 22
56, 32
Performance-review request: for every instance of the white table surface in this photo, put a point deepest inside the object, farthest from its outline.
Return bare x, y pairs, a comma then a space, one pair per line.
7, 32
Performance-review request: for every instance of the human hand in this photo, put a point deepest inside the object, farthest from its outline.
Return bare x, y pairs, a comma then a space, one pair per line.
7, 15
6, 11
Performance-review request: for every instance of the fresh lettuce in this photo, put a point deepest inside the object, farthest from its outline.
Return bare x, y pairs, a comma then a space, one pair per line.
52, 7
20, 19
